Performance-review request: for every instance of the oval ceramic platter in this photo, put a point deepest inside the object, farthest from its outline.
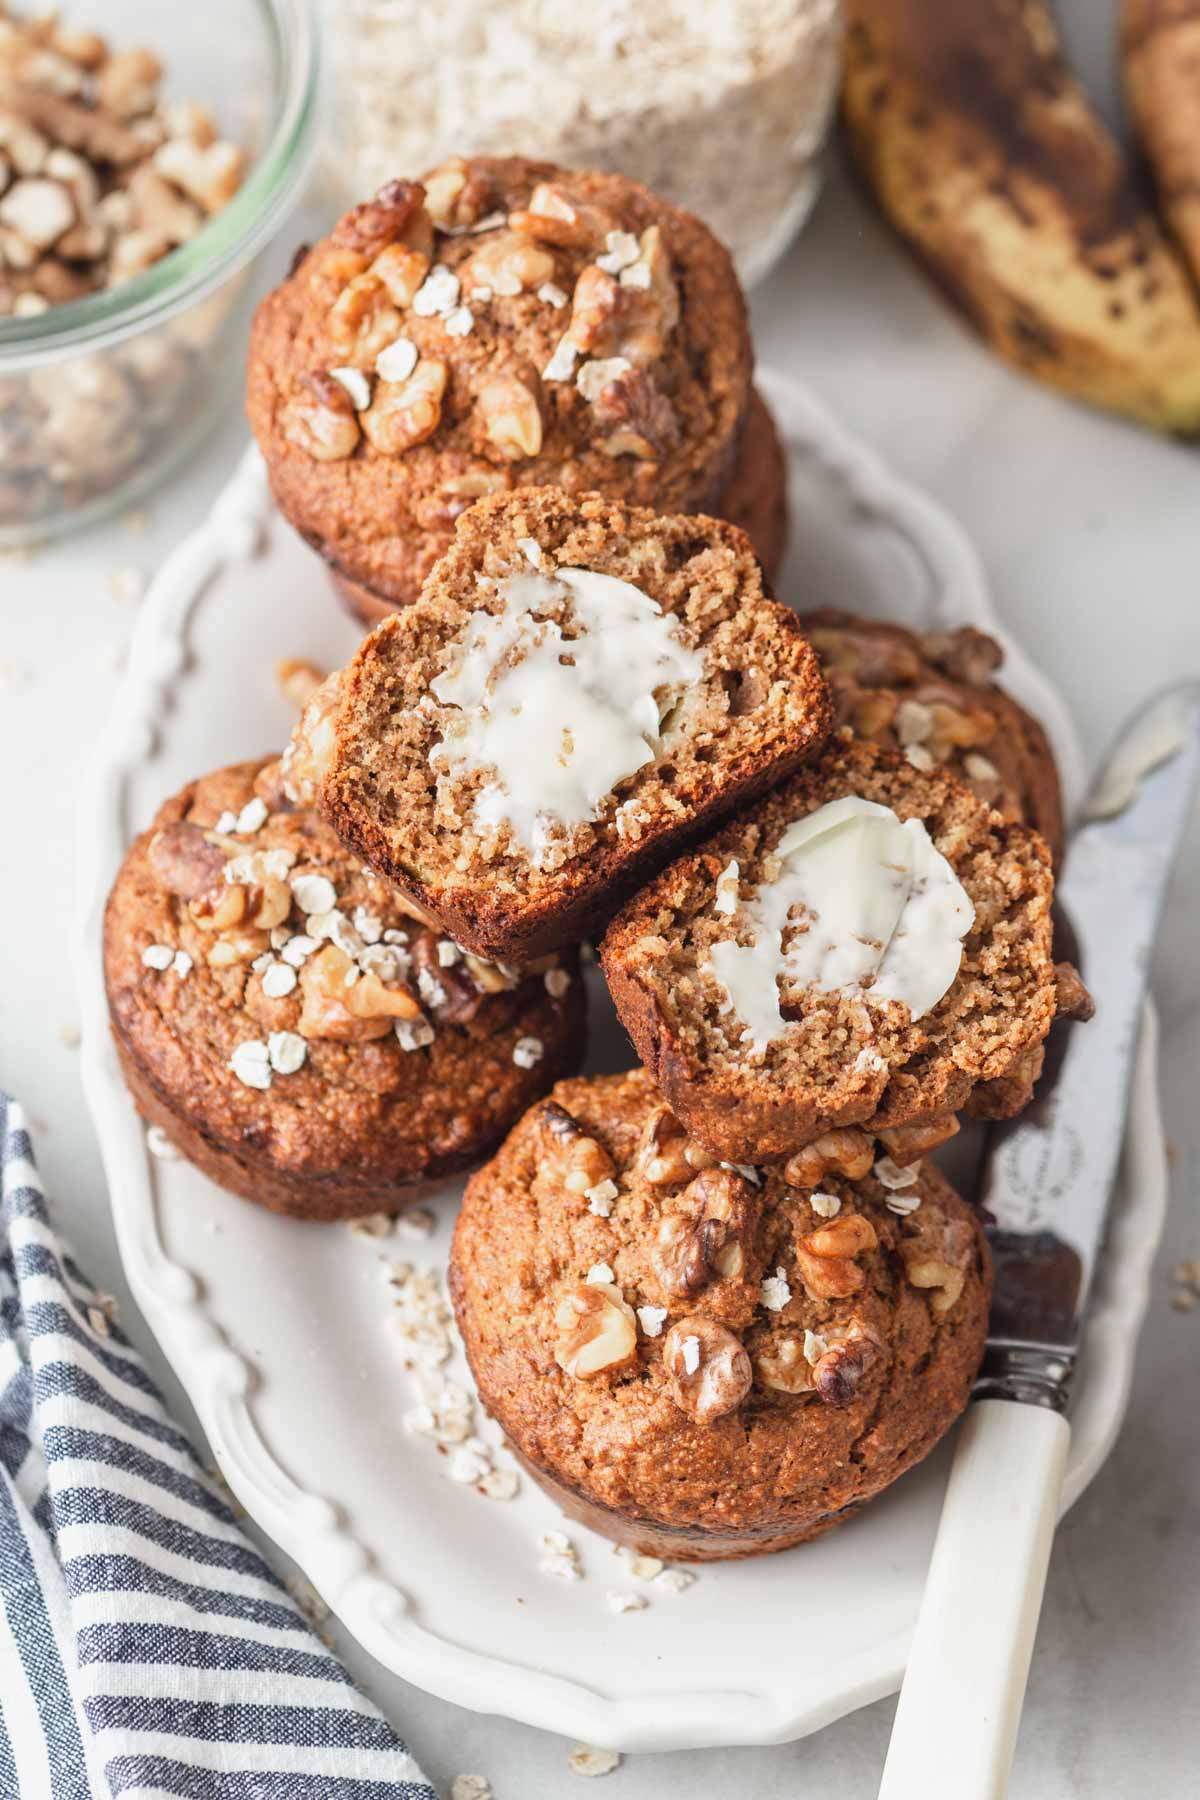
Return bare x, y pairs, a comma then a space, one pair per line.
284, 1334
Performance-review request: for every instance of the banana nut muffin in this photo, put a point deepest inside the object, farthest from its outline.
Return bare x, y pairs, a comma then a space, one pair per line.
704, 1362
755, 500
501, 323
931, 694
582, 687
868, 945
294, 1030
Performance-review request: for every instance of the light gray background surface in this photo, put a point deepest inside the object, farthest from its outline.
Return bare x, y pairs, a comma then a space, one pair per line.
1090, 533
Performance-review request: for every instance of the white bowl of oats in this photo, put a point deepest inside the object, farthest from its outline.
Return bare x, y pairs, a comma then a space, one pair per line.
142, 168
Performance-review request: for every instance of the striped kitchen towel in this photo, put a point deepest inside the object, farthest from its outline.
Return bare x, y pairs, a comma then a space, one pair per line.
145, 1646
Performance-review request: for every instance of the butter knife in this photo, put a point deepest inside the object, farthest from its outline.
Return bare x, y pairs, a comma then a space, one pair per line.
1046, 1184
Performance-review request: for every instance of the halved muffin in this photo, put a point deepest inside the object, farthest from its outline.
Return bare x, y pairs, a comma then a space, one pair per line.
868, 945
582, 688
705, 1362
296, 1032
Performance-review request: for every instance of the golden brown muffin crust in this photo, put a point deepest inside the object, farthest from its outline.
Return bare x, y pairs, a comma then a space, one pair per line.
841, 1062
828, 1419
361, 1116
759, 709
634, 281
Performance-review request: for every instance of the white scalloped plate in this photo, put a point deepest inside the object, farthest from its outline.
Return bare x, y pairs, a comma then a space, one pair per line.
279, 1330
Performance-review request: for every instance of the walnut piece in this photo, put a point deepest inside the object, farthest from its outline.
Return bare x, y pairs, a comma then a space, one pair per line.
666, 1154
940, 1265
363, 320
571, 1160
270, 904
349, 1014
906, 1144
631, 316
710, 1236
709, 1369
555, 219
638, 419
873, 715
310, 750
459, 996
508, 263
322, 421
401, 271
185, 862
511, 418
442, 189
405, 413
592, 327
396, 214
837, 1374
847, 1151
825, 1258
239, 945
597, 1331
966, 655
221, 907
954, 726
1072, 998
785, 1367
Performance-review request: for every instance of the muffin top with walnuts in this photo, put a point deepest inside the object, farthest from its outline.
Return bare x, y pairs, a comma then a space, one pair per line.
708, 1360
500, 323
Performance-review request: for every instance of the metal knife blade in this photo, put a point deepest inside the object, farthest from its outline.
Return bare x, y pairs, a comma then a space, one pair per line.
1048, 1175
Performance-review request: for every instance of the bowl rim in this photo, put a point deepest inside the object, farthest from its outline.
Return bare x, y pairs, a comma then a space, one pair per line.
223, 245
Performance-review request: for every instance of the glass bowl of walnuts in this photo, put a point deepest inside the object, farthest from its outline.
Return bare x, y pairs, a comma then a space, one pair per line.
142, 168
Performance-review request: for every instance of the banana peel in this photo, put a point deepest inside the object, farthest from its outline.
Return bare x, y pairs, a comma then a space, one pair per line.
1160, 65
986, 155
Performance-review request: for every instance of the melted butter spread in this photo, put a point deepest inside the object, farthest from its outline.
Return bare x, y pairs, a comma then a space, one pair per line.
862, 904
558, 721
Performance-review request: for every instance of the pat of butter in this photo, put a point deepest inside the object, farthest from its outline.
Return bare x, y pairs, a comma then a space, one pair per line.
558, 722
882, 916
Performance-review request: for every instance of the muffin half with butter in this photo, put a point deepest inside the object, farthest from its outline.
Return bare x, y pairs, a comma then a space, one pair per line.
499, 323
298, 1032
582, 688
706, 1362
868, 946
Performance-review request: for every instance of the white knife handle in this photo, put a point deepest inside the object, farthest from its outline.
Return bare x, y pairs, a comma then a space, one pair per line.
956, 1723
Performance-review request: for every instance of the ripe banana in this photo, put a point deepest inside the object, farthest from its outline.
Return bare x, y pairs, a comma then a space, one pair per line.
986, 155
1160, 60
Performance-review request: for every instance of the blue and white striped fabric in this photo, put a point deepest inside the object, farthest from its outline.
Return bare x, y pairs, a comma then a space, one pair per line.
145, 1646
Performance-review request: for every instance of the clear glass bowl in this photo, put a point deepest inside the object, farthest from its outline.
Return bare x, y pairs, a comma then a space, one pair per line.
719, 105
101, 397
